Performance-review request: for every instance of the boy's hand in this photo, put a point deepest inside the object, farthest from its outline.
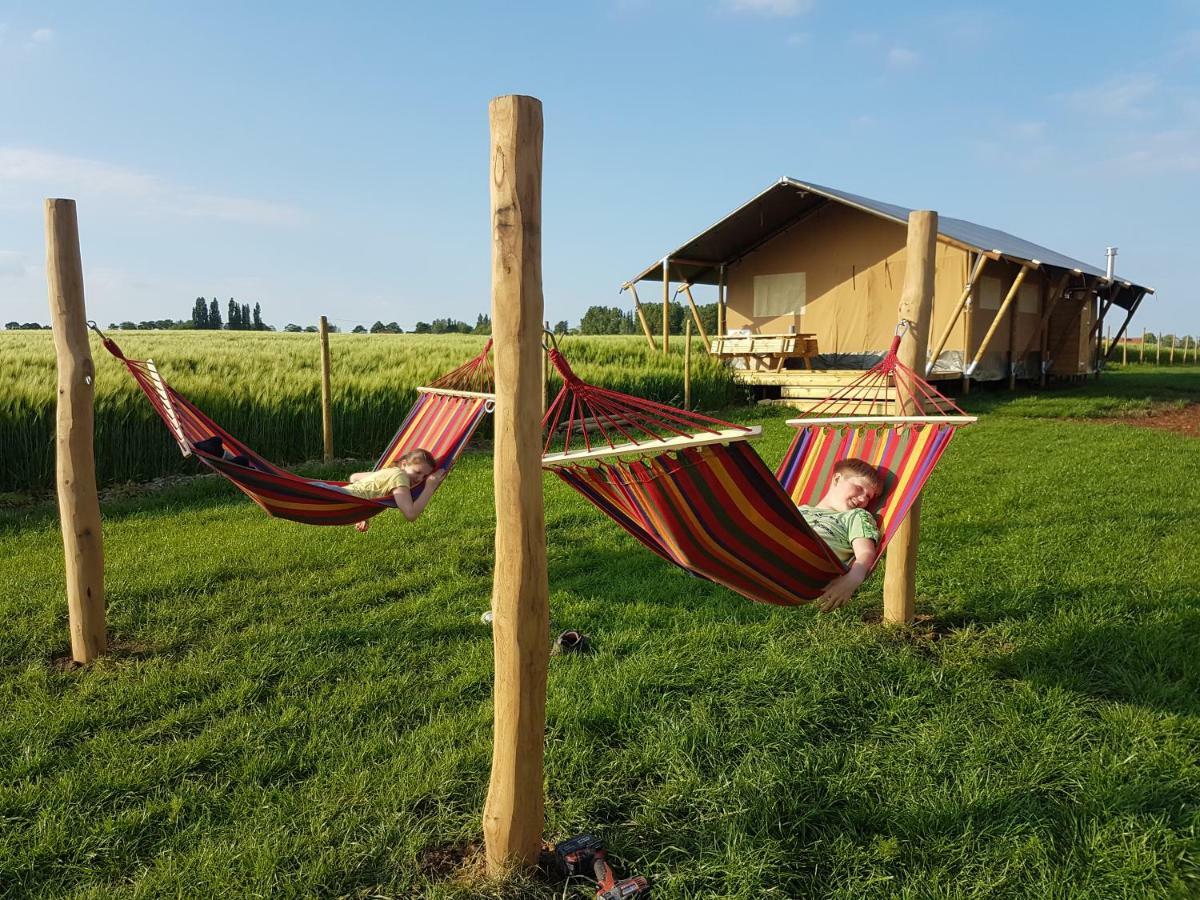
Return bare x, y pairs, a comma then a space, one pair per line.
362, 526
839, 591
433, 478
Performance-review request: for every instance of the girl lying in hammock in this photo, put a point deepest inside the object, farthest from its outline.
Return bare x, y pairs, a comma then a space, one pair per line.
842, 520
411, 469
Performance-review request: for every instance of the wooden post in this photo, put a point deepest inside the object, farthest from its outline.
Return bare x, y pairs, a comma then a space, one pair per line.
1012, 344
666, 306
687, 364
1171, 361
326, 392
78, 502
721, 302
513, 816
637, 304
1142, 349
916, 302
1124, 352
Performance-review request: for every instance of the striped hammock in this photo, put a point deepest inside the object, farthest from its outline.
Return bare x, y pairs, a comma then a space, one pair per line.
442, 421
698, 495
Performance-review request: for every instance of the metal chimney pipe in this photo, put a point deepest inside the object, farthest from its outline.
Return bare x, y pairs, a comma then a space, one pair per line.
1111, 254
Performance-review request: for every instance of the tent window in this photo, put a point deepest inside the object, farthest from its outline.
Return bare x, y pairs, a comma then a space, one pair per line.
780, 295
990, 293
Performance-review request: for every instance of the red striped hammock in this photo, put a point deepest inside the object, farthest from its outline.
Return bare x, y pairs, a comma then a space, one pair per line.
442, 421
699, 496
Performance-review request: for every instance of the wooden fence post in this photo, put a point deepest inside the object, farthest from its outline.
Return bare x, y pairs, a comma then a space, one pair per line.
916, 303
1142, 351
1158, 349
687, 364
326, 393
1171, 361
513, 816
78, 502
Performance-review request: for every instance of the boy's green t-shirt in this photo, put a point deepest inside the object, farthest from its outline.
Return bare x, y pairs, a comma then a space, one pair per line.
380, 483
840, 528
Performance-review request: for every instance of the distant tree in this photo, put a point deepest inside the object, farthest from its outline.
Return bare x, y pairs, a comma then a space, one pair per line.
214, 314
483, 324
378, 328
311, 329
422, 328
561, 327
258, 322
15, 326
128, 326
394, 328
247, 324
1150, 338
332, 329
292, 327
233, 319
200, 313
358, 329
601, 320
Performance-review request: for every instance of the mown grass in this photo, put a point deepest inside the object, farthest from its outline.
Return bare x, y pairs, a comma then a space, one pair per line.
306, 712
265, 388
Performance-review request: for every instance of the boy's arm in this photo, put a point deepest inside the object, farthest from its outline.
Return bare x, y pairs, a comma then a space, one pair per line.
842, 589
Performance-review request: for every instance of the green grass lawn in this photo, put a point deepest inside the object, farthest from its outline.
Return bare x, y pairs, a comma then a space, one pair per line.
296, 712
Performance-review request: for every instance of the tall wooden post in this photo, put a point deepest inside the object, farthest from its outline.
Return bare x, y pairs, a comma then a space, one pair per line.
1142, 348
637, 305
1171, 361
721, 302
1124, 352
916, 304
78, 502
513, 816
1158, 349
687, 364
326, 393
666, 306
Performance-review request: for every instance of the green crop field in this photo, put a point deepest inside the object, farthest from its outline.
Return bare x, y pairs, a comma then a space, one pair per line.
293, 711
265, 388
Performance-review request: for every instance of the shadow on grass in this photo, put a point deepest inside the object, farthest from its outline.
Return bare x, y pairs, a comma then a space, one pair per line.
1152, 664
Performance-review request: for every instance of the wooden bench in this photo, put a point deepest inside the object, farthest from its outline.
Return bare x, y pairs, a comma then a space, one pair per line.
766, 351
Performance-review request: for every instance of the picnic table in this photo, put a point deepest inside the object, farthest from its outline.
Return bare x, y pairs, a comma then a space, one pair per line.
766, 351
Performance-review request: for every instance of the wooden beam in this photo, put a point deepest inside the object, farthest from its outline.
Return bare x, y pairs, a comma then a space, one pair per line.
326, 393
637, 304
916, 301
721, 302
514, 815
1120, 338
687, 290
1004, 307
980, 260
78, 502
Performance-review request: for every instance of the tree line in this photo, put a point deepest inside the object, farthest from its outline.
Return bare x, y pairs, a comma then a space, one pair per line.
617, 320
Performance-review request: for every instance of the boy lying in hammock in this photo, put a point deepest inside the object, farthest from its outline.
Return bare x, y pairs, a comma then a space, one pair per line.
411, 469
842, 520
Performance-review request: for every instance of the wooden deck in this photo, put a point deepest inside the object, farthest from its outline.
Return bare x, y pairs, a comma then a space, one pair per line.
805, 390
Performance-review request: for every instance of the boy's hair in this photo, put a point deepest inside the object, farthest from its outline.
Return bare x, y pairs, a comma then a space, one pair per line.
853, 467
418, 456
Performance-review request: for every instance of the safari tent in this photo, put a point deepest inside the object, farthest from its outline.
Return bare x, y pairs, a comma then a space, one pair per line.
826, 267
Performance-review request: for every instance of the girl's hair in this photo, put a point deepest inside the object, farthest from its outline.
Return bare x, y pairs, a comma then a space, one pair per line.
417, 456
854, 467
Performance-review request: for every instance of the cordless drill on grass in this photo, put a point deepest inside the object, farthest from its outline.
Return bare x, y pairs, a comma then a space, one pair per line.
607, 886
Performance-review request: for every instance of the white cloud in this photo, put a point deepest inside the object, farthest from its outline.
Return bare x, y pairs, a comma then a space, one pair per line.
1161, 152
798, 39
902, 58
39, 173
770, 7
1123, 95
42, 36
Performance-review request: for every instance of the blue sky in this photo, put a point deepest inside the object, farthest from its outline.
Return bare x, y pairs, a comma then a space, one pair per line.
332, 158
